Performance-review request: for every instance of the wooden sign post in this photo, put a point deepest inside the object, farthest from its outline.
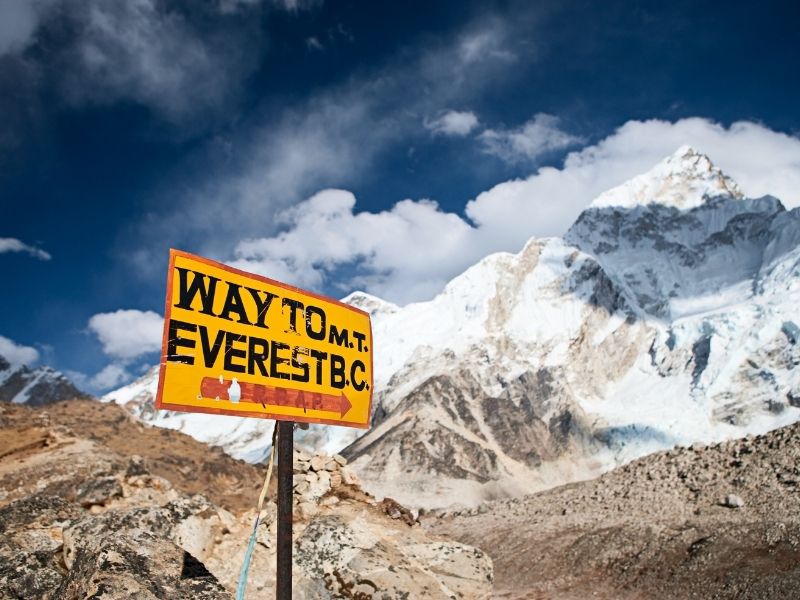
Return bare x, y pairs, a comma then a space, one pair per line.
236, 343
283, 583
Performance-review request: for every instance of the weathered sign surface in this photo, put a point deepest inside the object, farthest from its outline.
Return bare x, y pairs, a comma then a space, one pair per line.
241, 344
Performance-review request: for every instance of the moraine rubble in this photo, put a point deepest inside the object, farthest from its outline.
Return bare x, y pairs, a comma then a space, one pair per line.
78, 520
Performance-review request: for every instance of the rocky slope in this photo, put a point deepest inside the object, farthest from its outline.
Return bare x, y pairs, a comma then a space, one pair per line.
94, 504
38, 386
667, 315
719, 521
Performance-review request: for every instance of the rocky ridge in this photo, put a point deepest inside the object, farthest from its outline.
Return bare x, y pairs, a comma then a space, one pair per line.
80, 519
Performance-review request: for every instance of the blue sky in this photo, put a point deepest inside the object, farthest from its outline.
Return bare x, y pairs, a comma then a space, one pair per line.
344, 145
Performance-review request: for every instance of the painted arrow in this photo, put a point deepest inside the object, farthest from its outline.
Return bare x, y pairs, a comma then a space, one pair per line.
212, 387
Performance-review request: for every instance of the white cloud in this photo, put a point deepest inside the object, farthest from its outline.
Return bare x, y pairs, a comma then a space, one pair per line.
297, 5
109, 377
227, 6
330, 140
485, 42
402, 252
410, 251
17, 354
183, 59
140, 50
15, 245
538, 136
313, 43
18, 21
126, 334
762, 161
453, 122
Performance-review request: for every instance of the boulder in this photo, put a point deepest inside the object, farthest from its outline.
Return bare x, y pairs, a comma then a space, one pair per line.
318, 462
732, 501
31, 543
98, 491
358, 556
135, 564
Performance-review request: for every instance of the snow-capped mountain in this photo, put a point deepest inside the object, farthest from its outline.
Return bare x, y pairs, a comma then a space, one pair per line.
682, 239
667, 315
37, 386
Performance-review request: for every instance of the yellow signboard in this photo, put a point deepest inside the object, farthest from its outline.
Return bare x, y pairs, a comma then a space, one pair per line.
241, 344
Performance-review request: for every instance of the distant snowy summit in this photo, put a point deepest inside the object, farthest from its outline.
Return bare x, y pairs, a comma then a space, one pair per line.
682, 238
375, 306
36, 386
685, 180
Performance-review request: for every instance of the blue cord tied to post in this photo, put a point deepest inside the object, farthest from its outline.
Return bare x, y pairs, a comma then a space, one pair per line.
248, 555
240, 589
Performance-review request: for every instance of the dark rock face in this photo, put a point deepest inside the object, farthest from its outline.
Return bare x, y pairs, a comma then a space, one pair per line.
532, 421
681, 247
420, 440
605, 293
700, 353
98, 491
31, 563
35, 387
448, 427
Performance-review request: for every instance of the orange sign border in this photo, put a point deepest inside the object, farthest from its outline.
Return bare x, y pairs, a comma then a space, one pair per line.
162, 372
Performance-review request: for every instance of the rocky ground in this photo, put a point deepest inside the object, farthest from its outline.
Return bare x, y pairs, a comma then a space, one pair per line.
93, 504
702, 522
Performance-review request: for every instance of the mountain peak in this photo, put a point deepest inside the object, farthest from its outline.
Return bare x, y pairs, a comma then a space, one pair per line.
369, 303
683, 180
35, 386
